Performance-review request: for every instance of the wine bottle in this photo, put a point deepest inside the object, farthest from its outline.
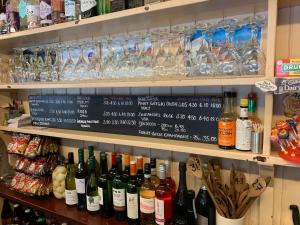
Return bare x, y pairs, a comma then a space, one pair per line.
80, 180
191, 210
126, 171
18, 214
70, 186
88, 8
147, 198
154, 178
28, 217
6, 214
132, 197
205, 208
180, 202
163, 199
140, 173
118, 190
92, 198
110, 177
91, 155
103, 190
170, 182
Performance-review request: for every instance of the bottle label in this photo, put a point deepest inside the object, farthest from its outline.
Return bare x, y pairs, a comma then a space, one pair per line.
87, 5
243, 134
132, 206
119, 199
22, 9
100, 193
45, 10
226, 133
71, 197
92, 203
80, 186
2, 16
159, 212
147, 205
202, 220
33, 13
70, 8
243, 112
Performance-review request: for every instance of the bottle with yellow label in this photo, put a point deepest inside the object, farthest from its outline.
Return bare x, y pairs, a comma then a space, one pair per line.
227, 122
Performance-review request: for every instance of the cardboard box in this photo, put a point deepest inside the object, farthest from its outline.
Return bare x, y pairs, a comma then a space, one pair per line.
287, 68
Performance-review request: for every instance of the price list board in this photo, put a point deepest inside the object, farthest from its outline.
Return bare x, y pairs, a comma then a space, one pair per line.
182, 118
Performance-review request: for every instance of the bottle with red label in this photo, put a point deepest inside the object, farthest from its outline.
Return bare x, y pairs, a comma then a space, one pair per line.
163, 200
227, 122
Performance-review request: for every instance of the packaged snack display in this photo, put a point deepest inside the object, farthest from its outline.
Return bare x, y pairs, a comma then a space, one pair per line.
39, 167
31, 186
18, 143
287, 67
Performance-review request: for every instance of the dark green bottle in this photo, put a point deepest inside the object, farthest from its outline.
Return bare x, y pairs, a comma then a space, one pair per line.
132, 197
92, 155
92, 198
80, 180
119, 192
103, 188
111, 176
103, 7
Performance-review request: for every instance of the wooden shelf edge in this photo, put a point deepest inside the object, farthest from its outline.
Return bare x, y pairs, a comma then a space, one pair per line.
56, 209
136, 141
102, 18
214, 81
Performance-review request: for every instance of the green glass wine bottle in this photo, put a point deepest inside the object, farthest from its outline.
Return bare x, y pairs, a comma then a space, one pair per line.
70, 186
103, 188
118, 190
80, 180
92, 198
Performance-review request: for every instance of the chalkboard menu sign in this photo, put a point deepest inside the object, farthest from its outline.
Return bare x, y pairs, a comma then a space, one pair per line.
182, 118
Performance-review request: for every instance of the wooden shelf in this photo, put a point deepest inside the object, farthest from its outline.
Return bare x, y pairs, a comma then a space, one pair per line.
57, 209
222, 81
136, 141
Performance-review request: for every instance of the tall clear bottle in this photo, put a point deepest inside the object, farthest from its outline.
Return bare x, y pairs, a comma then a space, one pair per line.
227, 122
119, 192
22, 14
243, 128
103, 188
181, 201
147, 198
92, 198
80, 180
46, 13
163, 199
33, 14
132, 197
70, 185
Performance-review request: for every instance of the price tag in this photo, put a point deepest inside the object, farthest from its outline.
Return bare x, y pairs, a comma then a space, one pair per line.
287, 85
266, 86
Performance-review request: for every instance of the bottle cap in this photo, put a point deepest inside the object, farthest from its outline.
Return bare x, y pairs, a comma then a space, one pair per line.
147, 169
182, 166
126, 159
252, 95
162, 171
139, 162
132, 168
244, 102
71, 158
153, 162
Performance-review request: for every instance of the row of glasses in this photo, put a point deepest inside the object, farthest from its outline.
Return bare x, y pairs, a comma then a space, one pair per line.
228, 47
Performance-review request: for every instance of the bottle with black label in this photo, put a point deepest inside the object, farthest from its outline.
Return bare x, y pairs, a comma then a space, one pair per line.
88, 8
205, 208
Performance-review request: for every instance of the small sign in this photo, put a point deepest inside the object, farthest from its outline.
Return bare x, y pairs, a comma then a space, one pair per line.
266, 86
287, 85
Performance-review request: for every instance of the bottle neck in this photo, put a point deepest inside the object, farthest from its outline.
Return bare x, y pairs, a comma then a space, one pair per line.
104, 168
182, 180
228, 105
80, 158
153, 171
243, 112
